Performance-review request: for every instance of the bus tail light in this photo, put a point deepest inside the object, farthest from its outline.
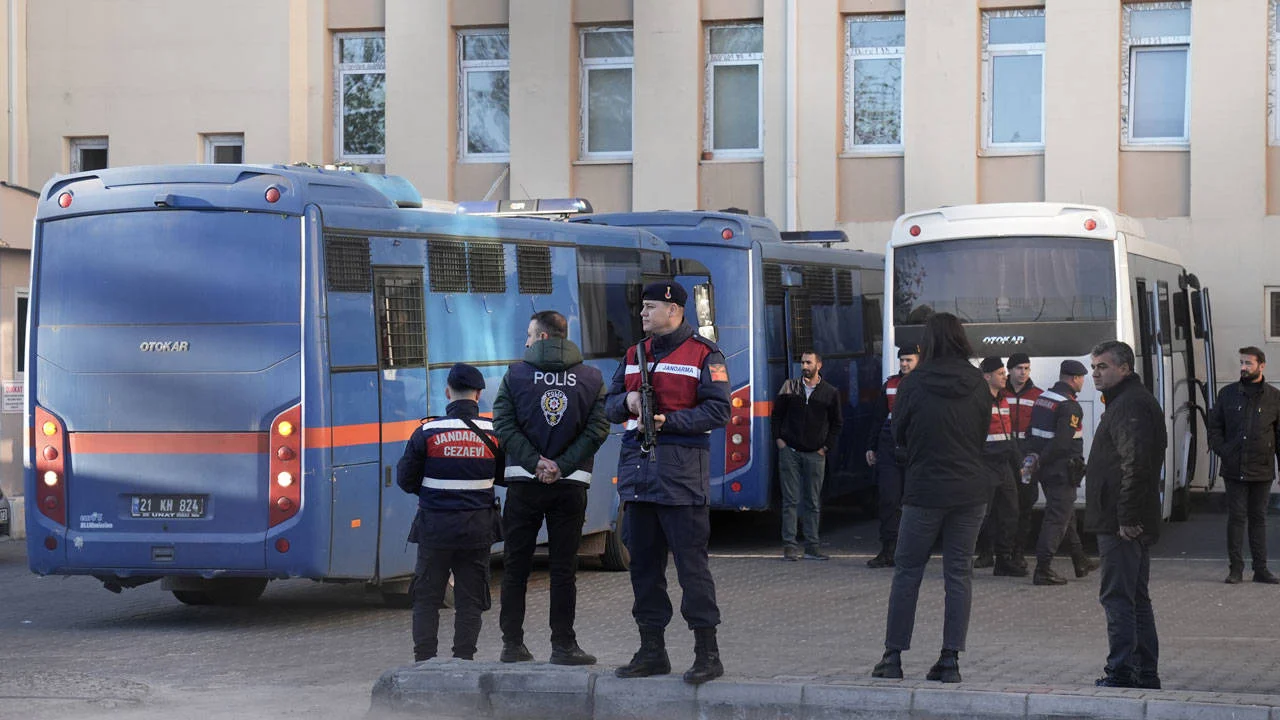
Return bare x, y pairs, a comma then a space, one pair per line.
285, 473
737, 436
50, 437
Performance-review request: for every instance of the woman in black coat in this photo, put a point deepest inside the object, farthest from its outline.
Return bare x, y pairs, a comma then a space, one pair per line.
941, 418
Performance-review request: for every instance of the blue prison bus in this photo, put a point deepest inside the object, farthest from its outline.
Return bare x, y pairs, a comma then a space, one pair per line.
766, 297
225, 362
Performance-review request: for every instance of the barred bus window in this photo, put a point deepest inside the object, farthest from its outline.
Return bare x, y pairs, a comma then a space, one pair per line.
817, 280
447, 262
487, 267
401, 319
533, 269
844, 287
801, 325
346, 264
773, 293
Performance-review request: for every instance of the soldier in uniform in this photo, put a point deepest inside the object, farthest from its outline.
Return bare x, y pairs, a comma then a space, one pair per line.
667, 489
449, 464
883, 458
1002, 458
549, 415
1022, 393
1056, 440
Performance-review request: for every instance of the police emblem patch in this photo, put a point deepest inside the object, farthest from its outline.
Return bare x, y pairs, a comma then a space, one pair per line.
554, 403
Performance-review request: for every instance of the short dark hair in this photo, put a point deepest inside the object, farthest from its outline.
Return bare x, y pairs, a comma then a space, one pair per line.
552, 323
944, 337
1120, 352
817, 356
1257, 353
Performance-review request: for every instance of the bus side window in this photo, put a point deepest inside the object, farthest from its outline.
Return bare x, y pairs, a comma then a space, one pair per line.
704, 304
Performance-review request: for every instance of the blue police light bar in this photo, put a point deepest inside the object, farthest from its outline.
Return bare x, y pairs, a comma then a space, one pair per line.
538, 207
814, 236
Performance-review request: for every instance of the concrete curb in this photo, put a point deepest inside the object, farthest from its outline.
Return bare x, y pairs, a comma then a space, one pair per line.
459, 689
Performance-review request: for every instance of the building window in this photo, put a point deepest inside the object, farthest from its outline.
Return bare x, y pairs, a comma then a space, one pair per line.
875, 49
607, 57
1156, 87
88, 153
1013, 79
227, 148
1271, 313
20, 332
484, 77
360, 77
734, 89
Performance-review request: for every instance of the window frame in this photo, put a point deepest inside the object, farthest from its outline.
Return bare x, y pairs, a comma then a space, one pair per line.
468, 66
20, 338
340, 71
586, 65
213, 141
715, 60
851, 57
1268, 291
992, 51
1131, 47
93, 142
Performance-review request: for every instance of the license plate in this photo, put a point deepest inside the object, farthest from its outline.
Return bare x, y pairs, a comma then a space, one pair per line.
168, 507
4, 515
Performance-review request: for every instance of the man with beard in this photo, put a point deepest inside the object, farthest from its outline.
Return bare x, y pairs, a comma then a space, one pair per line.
1244, 430
806, 424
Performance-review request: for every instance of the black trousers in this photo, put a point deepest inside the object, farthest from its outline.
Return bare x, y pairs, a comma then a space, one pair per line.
1059, 521
1000, 527
564, 507
1134, 646
1247, 501
651, 532
889, 486
470, 570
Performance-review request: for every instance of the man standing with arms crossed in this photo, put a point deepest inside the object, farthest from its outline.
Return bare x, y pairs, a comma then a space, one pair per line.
667, 487
806, 425
1022, 394
1244, 430
883, 459
1123, 508
549, 416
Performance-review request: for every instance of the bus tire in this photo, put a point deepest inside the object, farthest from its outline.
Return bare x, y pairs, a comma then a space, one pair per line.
615, 557
1181, 510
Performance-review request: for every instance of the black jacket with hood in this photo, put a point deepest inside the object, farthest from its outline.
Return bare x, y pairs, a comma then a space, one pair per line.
941, 418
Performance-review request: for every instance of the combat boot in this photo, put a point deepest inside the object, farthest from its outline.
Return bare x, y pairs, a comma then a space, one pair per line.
1044, 575
1083, 564
890, 666
706, 657
1006, 566
947, 669
650, 659
885, 558
985, 559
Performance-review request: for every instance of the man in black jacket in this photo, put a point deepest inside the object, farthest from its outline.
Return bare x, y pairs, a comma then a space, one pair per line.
806, 425
1123, 507
1244, 430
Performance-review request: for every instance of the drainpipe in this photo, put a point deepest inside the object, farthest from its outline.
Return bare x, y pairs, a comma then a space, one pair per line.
12, 11
791, 161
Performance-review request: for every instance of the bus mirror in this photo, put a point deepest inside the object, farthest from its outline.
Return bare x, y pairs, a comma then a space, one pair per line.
704, 305
708, 332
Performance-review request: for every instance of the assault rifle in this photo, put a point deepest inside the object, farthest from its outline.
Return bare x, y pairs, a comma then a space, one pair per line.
648, 431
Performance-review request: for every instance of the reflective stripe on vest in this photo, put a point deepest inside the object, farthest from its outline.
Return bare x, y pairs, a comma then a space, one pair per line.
998, 430
443, 484
891, 392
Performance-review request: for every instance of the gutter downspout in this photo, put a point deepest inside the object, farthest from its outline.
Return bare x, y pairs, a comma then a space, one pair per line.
12, 11
791, 161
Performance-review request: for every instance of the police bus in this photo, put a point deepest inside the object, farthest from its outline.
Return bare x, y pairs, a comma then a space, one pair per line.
766, 297
1052, 280
226, 361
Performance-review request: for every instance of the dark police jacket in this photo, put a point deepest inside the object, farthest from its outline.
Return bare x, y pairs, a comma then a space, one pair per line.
1124, 462
941, 419
1244, 430
691, 388
1057, 435
551, 405
451, 471
807, 422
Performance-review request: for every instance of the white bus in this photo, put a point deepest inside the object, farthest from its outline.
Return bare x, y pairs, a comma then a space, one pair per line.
1052, 280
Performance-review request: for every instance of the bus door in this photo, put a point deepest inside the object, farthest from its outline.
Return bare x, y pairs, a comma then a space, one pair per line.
402, 402
1202, 319
1155, 365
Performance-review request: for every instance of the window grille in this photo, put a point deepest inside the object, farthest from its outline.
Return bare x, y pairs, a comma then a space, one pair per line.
447, 262
401, 320
817, 280
533, 269
346, 264
844, 287
487, 267
773, 292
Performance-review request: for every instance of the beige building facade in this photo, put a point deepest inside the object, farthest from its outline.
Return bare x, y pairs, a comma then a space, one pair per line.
816, 113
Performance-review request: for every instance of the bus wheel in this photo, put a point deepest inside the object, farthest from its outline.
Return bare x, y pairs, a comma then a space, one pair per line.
1181, 510
615, 557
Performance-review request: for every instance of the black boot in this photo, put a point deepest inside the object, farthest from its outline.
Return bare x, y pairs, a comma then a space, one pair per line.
1007, 567
571, 654
1083, 564
706, 657
650, 659
985, 559
1044, 575
890, 666
947, 669
885, 558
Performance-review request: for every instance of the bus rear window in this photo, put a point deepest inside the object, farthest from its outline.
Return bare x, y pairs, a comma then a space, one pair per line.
610, 281
1005, 280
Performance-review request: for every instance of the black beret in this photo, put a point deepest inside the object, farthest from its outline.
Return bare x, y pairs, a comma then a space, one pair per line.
670, 292
1073, 367
991, 364
905, 350
1017, 359
464, 377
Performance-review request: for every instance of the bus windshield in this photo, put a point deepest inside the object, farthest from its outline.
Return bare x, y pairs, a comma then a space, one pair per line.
1005, 280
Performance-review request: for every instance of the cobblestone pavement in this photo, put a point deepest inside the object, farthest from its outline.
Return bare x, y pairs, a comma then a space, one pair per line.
70, 649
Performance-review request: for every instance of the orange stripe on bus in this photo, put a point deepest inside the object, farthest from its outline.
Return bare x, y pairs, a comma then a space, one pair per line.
119, 443
762, 408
